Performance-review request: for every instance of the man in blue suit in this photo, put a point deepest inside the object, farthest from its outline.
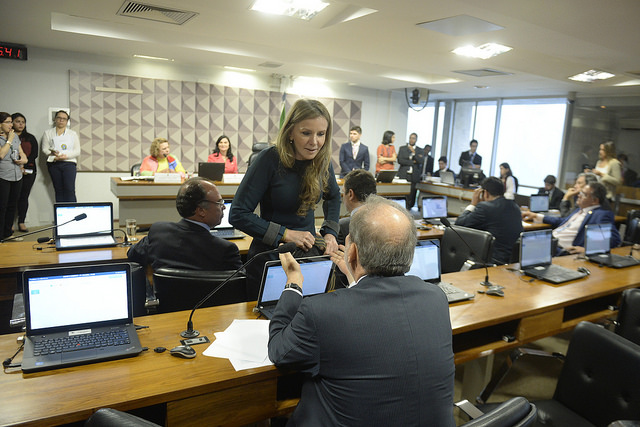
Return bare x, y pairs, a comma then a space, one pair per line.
353, 154
592, 208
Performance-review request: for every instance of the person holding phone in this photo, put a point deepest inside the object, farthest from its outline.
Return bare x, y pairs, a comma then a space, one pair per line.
29, 145
62, 148
11, 160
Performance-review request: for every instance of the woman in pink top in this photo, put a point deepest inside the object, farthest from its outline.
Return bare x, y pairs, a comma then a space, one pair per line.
222, 154
386, 152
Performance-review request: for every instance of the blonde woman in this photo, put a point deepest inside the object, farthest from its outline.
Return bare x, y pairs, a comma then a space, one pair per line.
608, 168
160, 160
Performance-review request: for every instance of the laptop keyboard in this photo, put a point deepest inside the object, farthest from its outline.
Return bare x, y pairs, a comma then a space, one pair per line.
449, 289
42, 347
86, 241
225, 233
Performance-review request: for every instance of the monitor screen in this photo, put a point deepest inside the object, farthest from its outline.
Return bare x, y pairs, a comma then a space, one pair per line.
471, 176
539, 203
597, 239
434, 207
400, 200
426, 260
535, 248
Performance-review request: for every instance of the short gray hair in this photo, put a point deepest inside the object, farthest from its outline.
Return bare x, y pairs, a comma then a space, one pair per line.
380, 252
589, 178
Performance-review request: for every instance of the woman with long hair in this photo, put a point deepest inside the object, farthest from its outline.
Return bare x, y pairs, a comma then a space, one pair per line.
510, 182
11, 160
608, 168
29, 145
223, 154
386, 152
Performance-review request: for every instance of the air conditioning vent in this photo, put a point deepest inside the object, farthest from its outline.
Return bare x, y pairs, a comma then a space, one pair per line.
484, 72
134, 9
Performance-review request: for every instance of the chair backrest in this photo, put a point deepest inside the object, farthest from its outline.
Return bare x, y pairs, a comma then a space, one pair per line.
139, 292
135, 169
454, 252
179, 289
628, 323
600, 377
515, 412
632, 233
108, 417
257, 148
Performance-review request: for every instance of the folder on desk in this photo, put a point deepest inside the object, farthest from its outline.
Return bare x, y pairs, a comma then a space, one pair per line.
95, 230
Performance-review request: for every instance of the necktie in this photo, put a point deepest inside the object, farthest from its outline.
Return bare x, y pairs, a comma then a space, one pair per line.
355, 151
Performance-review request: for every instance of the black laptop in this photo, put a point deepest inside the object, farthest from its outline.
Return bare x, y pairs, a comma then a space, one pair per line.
434, 208
597, 247
225, 230
426, 265
92, 229
317, 279
536, 256
539, 203
213, 171
78, 315
386, 176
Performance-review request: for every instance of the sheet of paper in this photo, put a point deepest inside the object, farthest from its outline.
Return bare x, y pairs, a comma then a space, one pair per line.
244, 343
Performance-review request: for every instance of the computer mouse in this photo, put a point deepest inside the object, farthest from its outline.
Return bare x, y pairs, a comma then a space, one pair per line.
494, 291
584, 270
183, 351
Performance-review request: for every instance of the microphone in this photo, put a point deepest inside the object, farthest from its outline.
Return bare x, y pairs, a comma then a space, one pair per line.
486, 281
190, 332
46, 239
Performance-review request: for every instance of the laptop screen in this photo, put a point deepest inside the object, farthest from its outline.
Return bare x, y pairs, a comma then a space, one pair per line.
434, 207
426, 260
399, 200
535, 248
224, 222
539, 203
316, 272
99, 218
597, 239
66, 297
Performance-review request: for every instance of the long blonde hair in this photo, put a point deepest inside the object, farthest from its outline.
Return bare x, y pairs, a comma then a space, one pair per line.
316, 175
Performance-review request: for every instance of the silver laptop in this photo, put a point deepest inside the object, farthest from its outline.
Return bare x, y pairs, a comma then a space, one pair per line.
426, 265
225, 230
83, 225
447, 177
317, 279
399, 200
78, 315
597, 247
536, 256
434, 208
539, 203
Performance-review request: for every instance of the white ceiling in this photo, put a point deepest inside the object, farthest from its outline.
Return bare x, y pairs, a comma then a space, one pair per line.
551, 40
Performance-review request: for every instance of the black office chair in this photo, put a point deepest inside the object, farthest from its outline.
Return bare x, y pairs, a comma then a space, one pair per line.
454, 252
257, 148
628, 321
139, 291
515, 412
179, 289
632, 233
135, 169
108, 417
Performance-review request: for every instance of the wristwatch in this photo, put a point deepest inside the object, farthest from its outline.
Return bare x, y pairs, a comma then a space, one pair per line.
293, 286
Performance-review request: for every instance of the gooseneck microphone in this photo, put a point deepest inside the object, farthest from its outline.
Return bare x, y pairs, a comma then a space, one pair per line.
190, 332
486, 281
46, 239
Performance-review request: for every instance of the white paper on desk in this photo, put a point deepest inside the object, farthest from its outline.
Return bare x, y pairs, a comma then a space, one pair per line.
244, 342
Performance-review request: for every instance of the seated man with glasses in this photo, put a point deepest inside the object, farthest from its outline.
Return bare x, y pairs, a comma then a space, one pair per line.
188, 244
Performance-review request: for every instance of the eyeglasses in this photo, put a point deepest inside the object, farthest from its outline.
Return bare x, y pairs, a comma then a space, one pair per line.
220, 202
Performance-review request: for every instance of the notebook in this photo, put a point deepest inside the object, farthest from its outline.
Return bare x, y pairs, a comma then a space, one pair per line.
225, 230
385, 176
426, 265
535, 258
317, 278
213, 171
78, 315
93, 231
597, 247
539, 203
434, 208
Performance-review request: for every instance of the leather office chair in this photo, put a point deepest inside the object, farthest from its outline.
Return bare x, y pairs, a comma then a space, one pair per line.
515, 412
632, 233
180, 289
628, 321
139, 291
454, 252
108, 417
257, 148
135, 169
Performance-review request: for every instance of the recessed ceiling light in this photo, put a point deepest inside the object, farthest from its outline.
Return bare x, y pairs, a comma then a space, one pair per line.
484, 51
155, 58
591, 76
246, 70
481, 87
303, 9
312, 79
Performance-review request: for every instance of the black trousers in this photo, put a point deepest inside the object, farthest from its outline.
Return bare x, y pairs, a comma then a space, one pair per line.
9, 193
63, 176
23, 200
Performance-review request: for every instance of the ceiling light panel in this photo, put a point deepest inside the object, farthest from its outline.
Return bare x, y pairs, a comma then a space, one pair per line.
591, 76
485, 51
303, 9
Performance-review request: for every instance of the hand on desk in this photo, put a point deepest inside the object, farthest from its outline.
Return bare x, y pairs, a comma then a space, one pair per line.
575, 249
529, 216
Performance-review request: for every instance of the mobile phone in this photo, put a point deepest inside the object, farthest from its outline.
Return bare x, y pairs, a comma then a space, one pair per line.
194, 341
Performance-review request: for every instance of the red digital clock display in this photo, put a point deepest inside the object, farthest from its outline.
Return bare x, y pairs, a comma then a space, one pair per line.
13, 51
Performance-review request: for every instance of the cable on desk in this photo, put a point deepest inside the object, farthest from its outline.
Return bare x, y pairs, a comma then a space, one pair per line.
6, 364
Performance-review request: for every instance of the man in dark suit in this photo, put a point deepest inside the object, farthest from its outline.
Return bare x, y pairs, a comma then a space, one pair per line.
490, 211
592, 208
188, 244
411, 158
471, 158
354, 154
555, 194
358, 185
390, 361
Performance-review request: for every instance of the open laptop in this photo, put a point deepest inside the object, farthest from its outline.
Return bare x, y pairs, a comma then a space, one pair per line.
539, 203
447, 177
213, 171
95, 230
225, 230
386, 176
399, 200
317, 278
535, 258
78, 315
426, 265
597, 247
434, 208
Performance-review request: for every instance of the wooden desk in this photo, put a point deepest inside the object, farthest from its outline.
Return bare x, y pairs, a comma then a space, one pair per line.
207, 391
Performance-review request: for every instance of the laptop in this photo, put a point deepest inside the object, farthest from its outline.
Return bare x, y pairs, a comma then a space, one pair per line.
434, 208
317, 279
426, 265
213, 171
447, 177
539, 203
535, 258
597, 247
78, 315
225, 230
385, 176
399, 200
92, 229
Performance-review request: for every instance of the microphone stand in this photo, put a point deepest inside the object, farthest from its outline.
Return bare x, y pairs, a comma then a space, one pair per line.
486, 281
190, 332
77, 218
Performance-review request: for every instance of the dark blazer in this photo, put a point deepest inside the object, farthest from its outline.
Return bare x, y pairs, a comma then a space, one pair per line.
500, 217
185, 245
595, 216
348, 163
344, 229
389, 362
465, 156
406, 161
556, 197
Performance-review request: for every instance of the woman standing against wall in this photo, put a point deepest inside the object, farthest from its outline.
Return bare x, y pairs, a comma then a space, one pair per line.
510, 182
29, 145
62, 148
11, 160
386, 152
608, 168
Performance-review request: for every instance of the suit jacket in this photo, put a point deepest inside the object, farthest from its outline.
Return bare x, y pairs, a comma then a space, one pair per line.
501, 218
406, 161
185, 245
465, 156
595, 216
556, 197
348, 163
390, 361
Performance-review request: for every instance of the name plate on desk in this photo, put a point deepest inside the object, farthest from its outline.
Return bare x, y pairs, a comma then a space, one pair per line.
168, 178
232, 178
